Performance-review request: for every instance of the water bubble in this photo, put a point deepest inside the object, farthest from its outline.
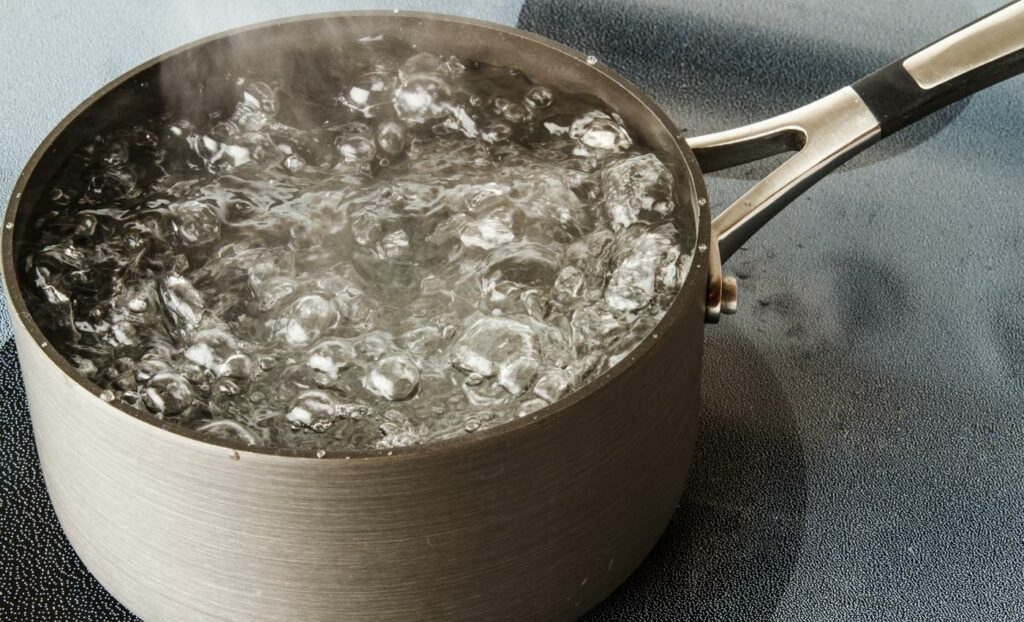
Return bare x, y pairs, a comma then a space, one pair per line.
151, 367
229, 430
391, 137
209, 347
306, 319
313, 409
398, 431
331, 356
498, 345
453, 66
485, 395
370, 93
394, 244
261, 96
195, 223
569, 284
356, 148
117, 154
224, 131
294, 163
592, 326
182, 300
138, 305
111, 184
239, 366
372, 346
227, 386
517, 375
639, 259
552, 385
591, 60
367, 228
487, 233
539, 97
421, 98
515, 113
395, 377
424, 62
634, 187
596, 133
422, 341
530, 406
194, 372
168, 393
85, 225
496, 133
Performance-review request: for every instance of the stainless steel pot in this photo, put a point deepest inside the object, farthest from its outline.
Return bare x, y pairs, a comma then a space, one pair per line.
537, 519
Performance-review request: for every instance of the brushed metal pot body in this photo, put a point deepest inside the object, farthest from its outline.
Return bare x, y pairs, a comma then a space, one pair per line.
538, 519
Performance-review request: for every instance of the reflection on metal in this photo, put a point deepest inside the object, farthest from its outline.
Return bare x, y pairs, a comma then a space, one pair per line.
826, 133
984, 41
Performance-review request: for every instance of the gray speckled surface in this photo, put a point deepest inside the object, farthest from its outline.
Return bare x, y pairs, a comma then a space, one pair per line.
859, 450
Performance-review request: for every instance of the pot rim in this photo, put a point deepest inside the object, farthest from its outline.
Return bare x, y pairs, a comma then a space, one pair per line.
690, 287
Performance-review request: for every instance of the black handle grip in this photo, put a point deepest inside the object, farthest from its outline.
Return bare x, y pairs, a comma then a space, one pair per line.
979, 55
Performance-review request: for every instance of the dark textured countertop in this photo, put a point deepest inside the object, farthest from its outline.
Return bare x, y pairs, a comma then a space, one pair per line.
860, 446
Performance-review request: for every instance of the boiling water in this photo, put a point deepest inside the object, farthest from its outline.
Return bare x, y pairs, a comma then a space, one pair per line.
434, 248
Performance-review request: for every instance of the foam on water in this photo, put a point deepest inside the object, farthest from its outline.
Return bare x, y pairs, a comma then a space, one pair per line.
426, 248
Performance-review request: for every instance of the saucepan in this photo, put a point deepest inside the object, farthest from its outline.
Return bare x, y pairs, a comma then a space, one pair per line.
538, 519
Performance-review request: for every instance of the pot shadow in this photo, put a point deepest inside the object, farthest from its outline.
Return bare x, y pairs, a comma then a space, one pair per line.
41, 577
736, 537
710, 74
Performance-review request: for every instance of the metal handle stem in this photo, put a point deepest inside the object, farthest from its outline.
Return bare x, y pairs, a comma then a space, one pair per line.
833, 129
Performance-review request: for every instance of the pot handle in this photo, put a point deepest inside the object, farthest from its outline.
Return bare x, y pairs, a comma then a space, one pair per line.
833, 129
